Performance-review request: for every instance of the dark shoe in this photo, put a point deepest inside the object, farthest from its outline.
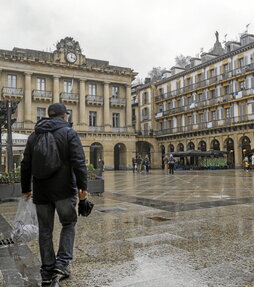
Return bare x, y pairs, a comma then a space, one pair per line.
55, 281
46, 277
63, 271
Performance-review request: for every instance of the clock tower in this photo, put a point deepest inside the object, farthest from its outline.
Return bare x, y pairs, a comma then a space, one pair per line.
68, 51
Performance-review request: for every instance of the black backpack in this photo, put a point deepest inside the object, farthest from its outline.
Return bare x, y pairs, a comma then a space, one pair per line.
45, 157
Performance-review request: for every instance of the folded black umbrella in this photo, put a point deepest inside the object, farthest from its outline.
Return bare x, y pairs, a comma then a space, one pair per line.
85, 207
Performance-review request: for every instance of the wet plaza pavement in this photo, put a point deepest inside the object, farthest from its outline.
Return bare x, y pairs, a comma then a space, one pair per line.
193, 228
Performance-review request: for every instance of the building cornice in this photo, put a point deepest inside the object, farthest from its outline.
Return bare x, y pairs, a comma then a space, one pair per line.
19, 55
208, 63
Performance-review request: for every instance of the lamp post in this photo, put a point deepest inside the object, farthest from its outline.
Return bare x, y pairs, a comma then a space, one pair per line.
7, 108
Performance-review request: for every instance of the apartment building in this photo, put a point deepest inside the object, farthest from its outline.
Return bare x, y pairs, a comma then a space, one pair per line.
209, 104
97, 94
144, 121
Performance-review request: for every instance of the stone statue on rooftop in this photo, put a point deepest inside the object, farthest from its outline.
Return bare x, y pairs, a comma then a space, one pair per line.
217, 36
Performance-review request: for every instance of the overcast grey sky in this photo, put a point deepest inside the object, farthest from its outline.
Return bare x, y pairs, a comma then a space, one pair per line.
139, 34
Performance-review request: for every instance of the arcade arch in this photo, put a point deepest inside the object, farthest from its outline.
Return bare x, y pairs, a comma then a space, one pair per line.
96, 153
215, 144
120, 156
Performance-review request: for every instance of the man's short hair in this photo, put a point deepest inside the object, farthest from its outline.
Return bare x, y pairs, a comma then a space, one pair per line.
57, 109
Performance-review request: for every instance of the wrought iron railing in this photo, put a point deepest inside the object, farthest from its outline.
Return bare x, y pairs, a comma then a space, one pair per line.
42, 94
12, 91
69, 96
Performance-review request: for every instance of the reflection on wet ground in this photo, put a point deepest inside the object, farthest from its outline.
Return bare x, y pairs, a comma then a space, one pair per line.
193, 228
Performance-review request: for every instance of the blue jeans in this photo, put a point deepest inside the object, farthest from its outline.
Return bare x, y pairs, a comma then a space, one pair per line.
68, 217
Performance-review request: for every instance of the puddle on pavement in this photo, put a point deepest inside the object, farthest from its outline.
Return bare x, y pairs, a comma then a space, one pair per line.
159, 218
108, 210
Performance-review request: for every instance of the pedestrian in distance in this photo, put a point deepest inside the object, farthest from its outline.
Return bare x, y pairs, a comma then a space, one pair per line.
139, 163
171, 164
252, 161
246, 164
165, 161
58, 175
147, 164
101, 165
134, 164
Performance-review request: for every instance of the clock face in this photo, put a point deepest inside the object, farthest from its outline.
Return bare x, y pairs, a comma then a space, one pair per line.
71, 57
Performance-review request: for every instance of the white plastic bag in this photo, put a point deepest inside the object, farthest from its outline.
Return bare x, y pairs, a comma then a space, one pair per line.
25, 228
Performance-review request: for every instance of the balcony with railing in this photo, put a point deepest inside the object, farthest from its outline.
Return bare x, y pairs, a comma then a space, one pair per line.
69, 97
208, 125
42, 95
134, 102
207, 102
119, 129
18, 126
96, 129
117, 102
145, 133
94, 100
145, 117
12, 93
205, 82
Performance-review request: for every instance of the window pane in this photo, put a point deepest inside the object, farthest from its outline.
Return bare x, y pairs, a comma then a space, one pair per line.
12, 81
92, 119
67, 87
115, 92
116, 120
41, 113
92, 90
41, 84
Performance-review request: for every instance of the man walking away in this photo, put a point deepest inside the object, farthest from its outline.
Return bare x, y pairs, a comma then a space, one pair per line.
171, 164
134, 164
56, 191
139, 163
147, 164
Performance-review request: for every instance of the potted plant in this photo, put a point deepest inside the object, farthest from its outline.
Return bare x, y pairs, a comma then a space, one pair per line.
95, 181
10, 184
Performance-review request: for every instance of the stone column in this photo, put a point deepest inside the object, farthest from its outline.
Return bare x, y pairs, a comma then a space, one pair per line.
1, 84
128, 112
56, 95
82, 103
237, 151
107, 124
28, 98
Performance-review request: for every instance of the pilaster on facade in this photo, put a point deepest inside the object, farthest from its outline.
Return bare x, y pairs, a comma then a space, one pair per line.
128, 107
106, 107
82, 102
56, 89
28, 98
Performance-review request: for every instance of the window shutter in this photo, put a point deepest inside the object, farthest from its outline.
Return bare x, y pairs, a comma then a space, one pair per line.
252, 83
215, 71
236, 86
221, 91
230, 66
246, 83
245, 61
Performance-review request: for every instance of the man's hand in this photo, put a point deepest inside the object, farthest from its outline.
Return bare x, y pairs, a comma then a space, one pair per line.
27, 195
82, 194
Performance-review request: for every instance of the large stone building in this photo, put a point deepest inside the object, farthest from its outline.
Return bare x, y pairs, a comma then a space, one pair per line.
206, 105
97, 94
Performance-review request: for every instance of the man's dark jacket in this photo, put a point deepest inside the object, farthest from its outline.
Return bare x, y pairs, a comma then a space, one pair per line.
72, 174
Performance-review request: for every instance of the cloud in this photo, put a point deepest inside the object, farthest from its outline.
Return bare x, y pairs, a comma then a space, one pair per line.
139, 34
